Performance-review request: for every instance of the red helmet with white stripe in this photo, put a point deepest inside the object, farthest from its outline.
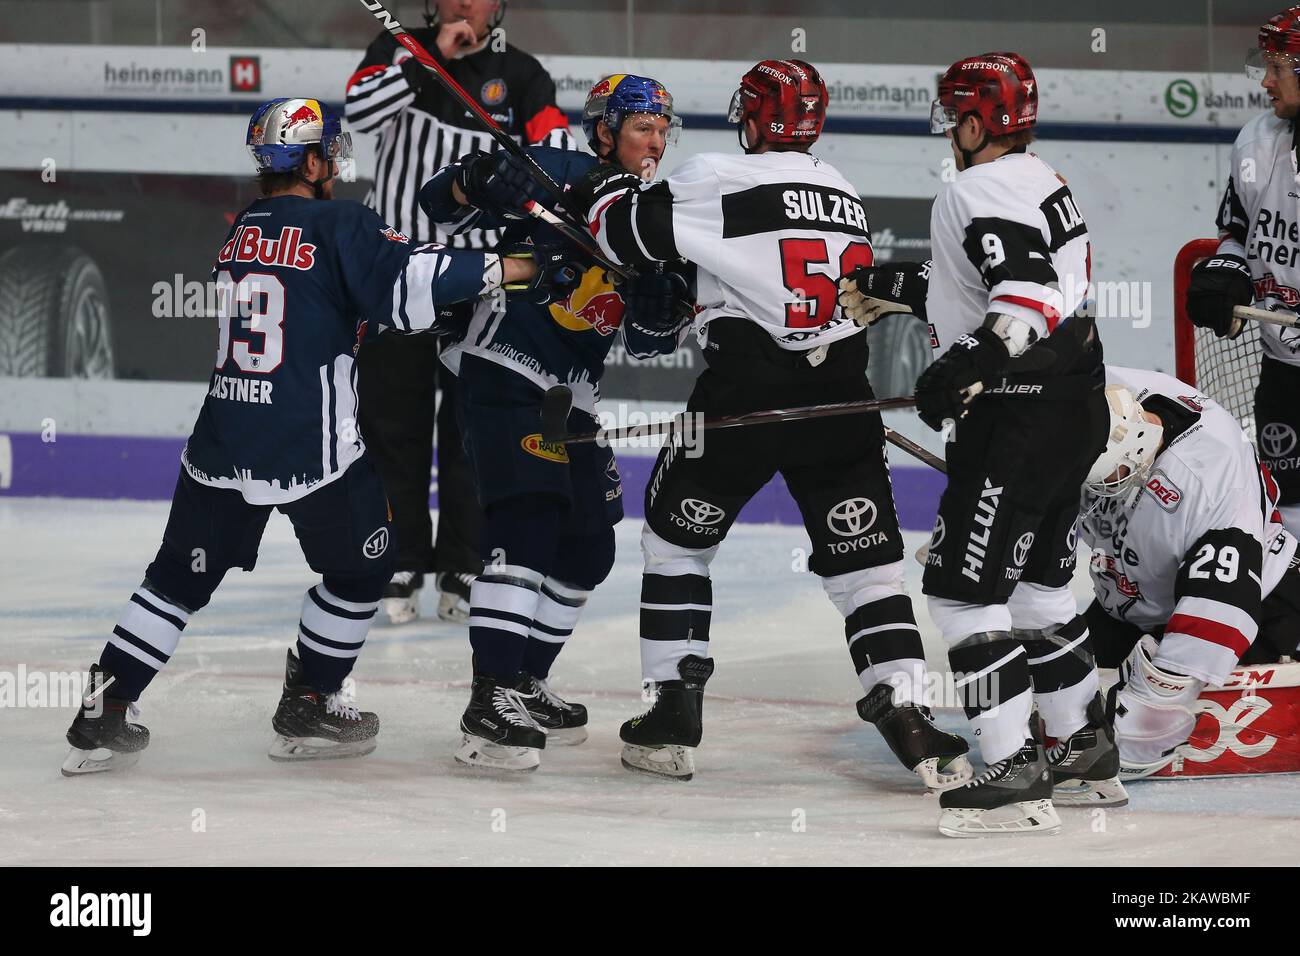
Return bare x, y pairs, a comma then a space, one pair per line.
1279, 43
786, 98
999, 88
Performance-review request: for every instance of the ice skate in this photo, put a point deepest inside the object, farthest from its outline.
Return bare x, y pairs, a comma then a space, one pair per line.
662, 740
497, 730
102, 734
565, 722
310, 725
1085, 765
938, 758
453, 596
400, 603
1013, 796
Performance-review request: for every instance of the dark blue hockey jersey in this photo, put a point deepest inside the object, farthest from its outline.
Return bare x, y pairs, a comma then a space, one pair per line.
564, 342
302, 283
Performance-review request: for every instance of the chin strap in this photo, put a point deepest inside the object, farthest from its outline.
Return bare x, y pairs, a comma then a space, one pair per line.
317, 185
967, 155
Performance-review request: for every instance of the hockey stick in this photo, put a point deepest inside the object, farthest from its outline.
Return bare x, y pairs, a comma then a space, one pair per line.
1263, 315
916, 451
558, 398
571, 231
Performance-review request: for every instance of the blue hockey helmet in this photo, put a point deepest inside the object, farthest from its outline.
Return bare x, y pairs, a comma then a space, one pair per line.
620, 95
282, 130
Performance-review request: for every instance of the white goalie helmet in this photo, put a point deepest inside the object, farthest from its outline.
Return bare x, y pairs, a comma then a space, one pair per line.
1131, 446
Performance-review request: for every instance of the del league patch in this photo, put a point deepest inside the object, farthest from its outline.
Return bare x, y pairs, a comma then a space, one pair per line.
1164, 491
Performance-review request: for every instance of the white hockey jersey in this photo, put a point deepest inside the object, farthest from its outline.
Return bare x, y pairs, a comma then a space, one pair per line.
770, 233
1006, 237
1259, 220
1195, 550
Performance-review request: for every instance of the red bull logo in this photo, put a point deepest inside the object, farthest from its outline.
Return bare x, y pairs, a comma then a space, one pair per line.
303, 114
593, 305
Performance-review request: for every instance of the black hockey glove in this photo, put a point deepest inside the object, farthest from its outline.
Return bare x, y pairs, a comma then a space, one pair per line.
942, 390
558, 272
499, 182
1219, 283
599, 181
658, 303
870, 292
418, 76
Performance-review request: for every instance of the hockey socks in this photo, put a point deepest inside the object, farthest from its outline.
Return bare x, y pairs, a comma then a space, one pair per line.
1063, 672
559, 606
993, 680
331, 632
144, 639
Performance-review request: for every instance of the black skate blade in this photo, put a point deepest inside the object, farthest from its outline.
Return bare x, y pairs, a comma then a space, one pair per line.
556, 405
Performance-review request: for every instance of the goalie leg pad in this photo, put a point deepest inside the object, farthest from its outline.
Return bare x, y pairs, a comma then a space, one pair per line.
1154, 711
1251, 725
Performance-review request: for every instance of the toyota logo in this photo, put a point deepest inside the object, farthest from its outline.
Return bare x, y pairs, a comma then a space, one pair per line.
851, 517
1278, 439
940, 529
702, 512
1023, 544
1072, 539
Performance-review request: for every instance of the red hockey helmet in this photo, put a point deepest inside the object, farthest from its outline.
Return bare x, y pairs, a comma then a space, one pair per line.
787, 98
999, 88
1279, 45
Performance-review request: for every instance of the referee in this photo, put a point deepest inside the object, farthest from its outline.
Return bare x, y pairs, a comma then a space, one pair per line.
421, 128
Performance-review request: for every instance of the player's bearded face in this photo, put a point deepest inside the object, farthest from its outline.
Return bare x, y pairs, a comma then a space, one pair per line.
1282, 85
641, 143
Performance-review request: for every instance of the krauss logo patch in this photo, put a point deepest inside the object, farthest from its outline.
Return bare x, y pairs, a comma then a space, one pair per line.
549, 450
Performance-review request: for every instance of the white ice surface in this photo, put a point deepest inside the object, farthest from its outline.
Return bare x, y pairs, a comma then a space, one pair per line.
781, 735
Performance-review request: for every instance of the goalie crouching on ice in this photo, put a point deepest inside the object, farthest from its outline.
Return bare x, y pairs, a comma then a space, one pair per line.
1192, 573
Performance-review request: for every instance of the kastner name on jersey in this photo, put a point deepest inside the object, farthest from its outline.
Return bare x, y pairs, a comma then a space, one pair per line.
1007, 237
1196, 549
302, 282
1259, 220
771, 233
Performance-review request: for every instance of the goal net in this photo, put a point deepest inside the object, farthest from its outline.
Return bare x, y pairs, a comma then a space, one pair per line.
1227, 370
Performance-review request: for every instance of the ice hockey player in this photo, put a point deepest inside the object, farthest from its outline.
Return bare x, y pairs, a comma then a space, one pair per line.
1019, 371
550, 508
302, 282
420, 127
1256, 261
1188, 547
769, 232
